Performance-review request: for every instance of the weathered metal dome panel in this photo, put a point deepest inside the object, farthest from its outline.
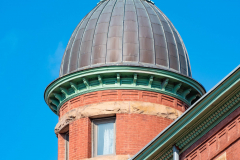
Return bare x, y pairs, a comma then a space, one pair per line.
125, 32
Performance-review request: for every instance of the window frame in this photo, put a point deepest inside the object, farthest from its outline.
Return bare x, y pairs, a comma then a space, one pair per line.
66, 137
95, 122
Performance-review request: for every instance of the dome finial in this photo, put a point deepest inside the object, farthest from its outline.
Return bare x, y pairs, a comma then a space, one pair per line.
150, 1
101, 1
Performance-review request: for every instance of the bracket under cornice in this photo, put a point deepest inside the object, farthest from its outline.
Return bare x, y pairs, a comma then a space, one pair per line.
133, 78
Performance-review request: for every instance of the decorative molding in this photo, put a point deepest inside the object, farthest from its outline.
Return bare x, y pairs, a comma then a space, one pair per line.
74, 86
193, 97
58, 96
54, 108
100, 80
186, 92
135, 80
150, 81
64, 91
86, 82
199, 119
177, 87
203, 127
164, 84
54, 102
209, 120
107, 78
118, 79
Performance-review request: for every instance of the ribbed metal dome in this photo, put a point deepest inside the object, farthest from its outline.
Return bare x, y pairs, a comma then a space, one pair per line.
126, 33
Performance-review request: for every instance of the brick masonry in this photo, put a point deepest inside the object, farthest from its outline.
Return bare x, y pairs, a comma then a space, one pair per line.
133, 131
61, 147
106, 109
80, 139
122, 95
222, 139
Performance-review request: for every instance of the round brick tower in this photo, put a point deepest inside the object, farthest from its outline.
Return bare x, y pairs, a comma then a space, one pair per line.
125, 76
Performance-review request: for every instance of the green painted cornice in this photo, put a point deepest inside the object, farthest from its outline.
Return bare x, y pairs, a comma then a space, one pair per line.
201, 117
121, 77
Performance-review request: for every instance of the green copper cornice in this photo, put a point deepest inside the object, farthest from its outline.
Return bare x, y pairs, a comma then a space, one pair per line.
202, 128
206, 113
120, 77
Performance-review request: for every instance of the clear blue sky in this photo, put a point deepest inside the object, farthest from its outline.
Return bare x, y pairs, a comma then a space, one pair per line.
34, 34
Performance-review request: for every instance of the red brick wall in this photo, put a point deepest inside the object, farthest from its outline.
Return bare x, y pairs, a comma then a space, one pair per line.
134, 131
80, 139
232, 152
122, 95
61, 147
222, 138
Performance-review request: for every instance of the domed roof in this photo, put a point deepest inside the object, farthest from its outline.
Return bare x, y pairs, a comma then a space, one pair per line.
125, 33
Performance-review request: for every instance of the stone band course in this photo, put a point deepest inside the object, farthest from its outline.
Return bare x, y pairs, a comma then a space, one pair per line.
106, 109
110, 102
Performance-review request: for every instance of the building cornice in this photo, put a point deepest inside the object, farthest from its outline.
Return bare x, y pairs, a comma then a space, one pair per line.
206, 113
121, 77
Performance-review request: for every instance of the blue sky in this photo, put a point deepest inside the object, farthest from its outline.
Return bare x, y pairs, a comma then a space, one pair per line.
33, 37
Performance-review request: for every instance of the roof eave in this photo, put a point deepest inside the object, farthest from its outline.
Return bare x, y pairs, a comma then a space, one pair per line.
223, 88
